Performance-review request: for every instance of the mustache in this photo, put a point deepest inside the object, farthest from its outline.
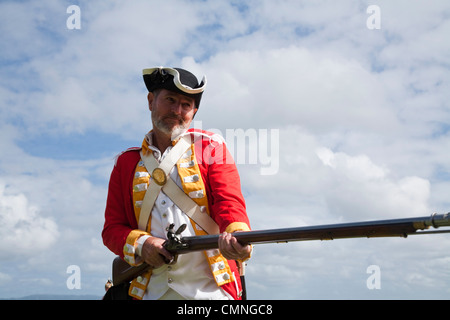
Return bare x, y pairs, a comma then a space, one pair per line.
174, 117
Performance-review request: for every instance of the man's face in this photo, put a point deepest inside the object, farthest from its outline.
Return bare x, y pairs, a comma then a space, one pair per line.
172, 113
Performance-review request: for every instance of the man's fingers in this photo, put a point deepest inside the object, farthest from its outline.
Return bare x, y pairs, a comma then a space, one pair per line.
231, 248
165, 255
154, 253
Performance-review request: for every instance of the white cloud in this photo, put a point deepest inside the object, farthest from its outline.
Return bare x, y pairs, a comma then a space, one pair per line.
294, 86
22, 228
357, 188
317, 185
94, 73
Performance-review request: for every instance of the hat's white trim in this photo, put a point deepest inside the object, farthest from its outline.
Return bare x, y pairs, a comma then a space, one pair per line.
177, 80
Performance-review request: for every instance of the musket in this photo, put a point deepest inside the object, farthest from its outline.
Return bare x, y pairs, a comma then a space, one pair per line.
176, 244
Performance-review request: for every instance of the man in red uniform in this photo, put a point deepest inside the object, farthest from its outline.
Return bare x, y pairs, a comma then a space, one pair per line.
144, 198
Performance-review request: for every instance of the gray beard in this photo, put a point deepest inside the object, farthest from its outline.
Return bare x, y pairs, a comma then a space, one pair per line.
174, 133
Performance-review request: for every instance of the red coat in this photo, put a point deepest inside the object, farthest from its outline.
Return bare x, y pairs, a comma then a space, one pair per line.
225, 200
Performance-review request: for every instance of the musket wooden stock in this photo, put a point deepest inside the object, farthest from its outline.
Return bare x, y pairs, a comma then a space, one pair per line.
123, 272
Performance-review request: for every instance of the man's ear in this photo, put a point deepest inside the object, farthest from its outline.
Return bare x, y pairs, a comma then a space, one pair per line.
150, 98
195, 112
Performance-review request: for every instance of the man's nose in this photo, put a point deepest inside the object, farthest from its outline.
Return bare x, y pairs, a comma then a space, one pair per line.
176, 107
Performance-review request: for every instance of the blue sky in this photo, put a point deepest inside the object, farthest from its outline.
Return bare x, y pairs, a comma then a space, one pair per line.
361, 118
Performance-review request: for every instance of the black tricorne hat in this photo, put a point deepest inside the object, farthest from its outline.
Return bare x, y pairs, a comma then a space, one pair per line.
174, 79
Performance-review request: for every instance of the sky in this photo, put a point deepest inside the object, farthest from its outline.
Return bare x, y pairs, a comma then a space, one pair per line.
334, 112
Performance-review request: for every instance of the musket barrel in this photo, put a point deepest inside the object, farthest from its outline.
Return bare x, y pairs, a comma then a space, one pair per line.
368, 229
365, 229
440, 220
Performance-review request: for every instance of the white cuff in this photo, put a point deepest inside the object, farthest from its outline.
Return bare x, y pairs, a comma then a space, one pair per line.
140, 243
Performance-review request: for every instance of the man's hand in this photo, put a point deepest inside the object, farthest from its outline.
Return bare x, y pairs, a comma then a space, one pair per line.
231, 249
154, 253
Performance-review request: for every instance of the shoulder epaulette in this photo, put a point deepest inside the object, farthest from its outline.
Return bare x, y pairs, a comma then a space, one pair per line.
127, 150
